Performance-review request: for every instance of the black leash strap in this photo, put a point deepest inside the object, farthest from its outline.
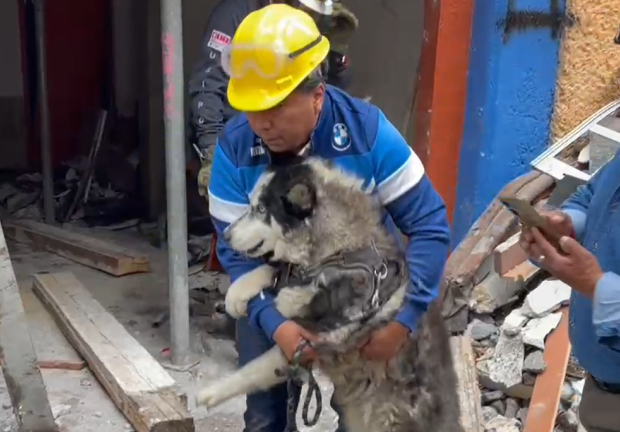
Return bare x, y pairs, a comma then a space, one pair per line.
294, 381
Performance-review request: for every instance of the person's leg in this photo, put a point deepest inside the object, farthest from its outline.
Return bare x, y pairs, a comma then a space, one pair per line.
265, 411
598, 410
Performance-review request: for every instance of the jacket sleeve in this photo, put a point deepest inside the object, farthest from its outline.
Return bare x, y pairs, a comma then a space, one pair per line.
208, 81
227, 202
418, 211
577, 205
606, 310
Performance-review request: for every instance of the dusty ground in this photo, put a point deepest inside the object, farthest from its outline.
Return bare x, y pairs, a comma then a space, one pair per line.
78, 401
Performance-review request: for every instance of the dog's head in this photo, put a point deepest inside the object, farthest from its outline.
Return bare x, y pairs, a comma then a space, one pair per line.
283, 201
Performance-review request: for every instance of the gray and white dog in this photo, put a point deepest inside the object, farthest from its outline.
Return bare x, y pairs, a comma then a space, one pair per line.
345, 277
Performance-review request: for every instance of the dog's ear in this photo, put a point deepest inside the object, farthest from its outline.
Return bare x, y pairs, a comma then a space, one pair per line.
299, 200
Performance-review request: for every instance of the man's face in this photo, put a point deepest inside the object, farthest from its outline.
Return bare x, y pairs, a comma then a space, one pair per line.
287, 127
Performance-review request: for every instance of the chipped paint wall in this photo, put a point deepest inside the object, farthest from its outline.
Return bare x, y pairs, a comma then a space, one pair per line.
511, 82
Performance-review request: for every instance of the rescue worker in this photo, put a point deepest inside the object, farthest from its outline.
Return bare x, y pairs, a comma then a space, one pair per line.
287, 110
589, 262
210, 109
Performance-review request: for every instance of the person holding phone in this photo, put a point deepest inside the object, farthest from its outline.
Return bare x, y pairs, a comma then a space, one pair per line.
589, 261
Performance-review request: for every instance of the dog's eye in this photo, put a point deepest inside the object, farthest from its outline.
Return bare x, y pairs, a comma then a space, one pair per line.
261, 208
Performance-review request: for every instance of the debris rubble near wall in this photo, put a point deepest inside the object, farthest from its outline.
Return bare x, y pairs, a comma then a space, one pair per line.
511, 315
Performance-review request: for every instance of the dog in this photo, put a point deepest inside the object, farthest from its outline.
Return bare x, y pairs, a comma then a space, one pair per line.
343, 277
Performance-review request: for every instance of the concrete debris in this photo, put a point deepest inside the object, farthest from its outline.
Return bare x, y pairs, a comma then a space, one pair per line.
578, 386
515, 319
512, 408
568, 393
508, 318
499, 406
502, 424
567, 421
548, 297
498, 290
491, 396
506, 365
522, 414
488, 413
536, 330
479, 330
534, 363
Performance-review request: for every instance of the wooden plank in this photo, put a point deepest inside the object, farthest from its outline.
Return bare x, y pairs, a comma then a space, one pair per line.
92, 252
543, 407
140, 387
17, 355
508, 255
52, 348
464, 361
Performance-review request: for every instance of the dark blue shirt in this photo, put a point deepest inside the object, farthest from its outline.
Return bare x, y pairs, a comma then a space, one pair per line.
594, 325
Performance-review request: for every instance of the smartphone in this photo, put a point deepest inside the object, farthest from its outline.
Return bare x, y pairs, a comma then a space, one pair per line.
529, 217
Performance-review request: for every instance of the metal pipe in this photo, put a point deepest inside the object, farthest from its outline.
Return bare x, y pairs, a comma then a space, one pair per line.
172, 56
46, 144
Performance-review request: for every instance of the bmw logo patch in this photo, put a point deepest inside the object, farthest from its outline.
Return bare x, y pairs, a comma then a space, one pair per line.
341, 139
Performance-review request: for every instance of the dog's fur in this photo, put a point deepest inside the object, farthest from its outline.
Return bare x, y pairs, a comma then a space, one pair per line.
303, 215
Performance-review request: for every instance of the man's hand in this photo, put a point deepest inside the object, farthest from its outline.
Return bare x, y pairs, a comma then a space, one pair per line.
385, 343
578, 268
557, 220
289, 336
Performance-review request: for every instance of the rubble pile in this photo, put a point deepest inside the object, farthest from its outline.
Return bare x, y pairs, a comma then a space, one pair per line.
102, 202
511, 315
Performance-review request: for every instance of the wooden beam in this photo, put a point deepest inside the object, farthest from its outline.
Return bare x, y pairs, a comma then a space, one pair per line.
17, 355
548, 387
139, 386
464, 361
91, 252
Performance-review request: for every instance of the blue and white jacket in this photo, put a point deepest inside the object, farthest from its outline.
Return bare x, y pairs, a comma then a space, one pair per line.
357, 137
594, 324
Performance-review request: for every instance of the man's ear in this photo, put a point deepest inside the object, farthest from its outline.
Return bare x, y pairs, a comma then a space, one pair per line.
318, 98
299, 201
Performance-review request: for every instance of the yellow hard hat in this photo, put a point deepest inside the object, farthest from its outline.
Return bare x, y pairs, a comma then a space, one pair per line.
274, 49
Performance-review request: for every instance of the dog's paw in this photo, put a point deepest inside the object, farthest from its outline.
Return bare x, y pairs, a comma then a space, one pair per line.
211, 396
292, 302
246, 288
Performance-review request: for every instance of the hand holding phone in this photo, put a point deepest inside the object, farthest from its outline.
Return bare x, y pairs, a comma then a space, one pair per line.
530, 218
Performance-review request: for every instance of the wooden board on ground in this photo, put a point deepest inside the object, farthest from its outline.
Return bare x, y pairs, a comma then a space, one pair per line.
545, 400
17, 355
52, 348
91, 252
136, 382
469, 391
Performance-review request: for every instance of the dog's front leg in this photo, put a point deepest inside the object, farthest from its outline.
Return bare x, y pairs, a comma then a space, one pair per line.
292, 302
246, 288
259, 374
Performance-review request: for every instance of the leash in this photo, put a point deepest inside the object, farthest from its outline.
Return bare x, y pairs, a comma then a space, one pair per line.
294, 380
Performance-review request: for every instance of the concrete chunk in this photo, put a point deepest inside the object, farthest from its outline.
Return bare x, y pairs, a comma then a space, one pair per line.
547, 297
502, 424
534, 363
507, 363
479, 330
537, 329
